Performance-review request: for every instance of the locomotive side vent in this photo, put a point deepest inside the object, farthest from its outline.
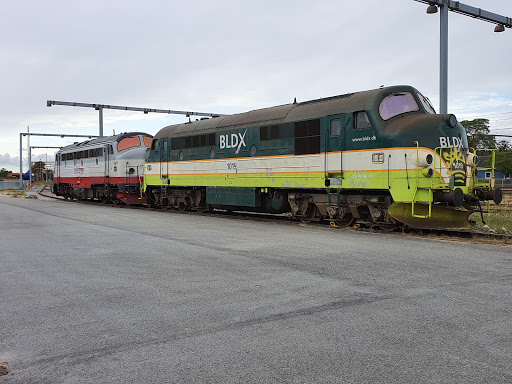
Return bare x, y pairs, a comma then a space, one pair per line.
4, 370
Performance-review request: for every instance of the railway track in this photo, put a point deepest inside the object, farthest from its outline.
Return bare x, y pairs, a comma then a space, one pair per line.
471, 235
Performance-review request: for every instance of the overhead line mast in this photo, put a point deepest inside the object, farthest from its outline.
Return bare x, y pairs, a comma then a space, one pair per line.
463, 9
100, 107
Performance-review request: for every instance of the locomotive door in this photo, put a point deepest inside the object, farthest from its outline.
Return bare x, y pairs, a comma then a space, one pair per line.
106, 158
334, 134
164, 159
58, 161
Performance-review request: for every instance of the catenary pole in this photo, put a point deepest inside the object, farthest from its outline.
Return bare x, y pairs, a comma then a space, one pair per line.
443, 64
444, 6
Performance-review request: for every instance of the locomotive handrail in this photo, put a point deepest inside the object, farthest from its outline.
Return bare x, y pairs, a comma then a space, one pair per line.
438, 174
141, 179
492, 180
416, 187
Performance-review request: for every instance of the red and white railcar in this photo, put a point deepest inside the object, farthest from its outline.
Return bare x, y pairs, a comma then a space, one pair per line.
105, 168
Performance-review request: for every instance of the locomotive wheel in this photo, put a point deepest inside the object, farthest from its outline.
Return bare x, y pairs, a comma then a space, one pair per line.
311, 214
345, 221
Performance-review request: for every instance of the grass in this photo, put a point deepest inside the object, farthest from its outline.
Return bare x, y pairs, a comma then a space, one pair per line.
498, 216
13, 192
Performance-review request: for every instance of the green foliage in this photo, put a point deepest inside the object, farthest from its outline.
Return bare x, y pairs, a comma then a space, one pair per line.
477, 127
504, 145
504, 157
4, 172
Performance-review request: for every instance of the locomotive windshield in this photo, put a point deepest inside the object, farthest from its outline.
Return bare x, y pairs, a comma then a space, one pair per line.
426, 103
132, 142
396, 104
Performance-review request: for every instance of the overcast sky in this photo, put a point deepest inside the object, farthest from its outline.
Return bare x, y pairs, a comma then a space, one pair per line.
231, 56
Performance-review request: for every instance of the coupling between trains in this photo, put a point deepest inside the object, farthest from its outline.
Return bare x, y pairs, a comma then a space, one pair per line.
383, 157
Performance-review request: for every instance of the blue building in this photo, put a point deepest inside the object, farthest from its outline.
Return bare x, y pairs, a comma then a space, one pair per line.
486, 175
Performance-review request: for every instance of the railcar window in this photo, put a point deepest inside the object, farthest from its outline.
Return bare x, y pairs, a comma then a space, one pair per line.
396, 104
426, 104
154, 145
307, 137
264, 134
361, 121
274, 132
197, 141
335, 127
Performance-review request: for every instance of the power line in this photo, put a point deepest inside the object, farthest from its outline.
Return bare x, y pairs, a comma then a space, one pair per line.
487, 106
492, 114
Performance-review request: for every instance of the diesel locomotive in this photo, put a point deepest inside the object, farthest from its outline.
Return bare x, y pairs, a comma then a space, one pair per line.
104, 168
382, 157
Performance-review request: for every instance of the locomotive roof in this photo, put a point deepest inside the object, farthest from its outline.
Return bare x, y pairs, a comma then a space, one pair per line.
284, 113
102, 140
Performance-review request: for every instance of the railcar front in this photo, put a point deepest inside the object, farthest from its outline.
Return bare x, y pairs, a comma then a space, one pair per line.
106, 168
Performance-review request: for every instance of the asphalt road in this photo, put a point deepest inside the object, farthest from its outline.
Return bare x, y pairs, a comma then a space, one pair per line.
93, 294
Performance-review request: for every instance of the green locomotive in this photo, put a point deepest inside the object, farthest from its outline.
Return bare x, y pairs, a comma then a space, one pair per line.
382, 157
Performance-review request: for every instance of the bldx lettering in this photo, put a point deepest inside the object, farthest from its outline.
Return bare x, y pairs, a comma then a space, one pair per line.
234, 140
450, 142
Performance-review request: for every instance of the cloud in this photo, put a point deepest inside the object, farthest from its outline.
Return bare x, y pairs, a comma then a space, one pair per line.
229, 57
9, 162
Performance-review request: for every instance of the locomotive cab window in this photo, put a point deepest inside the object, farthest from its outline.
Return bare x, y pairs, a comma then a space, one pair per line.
396, 104
154, 145
147, 141
361, 120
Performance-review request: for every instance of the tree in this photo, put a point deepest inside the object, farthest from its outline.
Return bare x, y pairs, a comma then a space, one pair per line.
504, 145
4, 172
504, 157
477, 127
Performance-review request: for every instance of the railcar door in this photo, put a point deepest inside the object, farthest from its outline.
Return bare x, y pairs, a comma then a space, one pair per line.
334, 134
164, 153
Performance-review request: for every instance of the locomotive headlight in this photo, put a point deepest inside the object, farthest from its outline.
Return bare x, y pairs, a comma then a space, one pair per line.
451, 120
424, 160
427, 172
